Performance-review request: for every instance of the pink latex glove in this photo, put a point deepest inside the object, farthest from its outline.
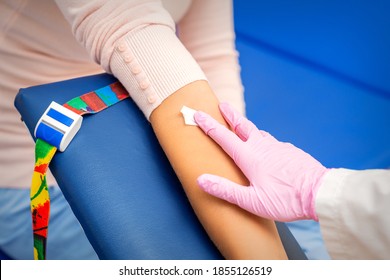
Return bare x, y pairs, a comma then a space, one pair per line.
284, 180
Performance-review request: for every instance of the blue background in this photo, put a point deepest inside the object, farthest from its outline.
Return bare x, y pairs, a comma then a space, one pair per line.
317, 74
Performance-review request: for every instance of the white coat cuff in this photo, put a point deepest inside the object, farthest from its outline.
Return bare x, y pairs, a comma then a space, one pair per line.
328, 206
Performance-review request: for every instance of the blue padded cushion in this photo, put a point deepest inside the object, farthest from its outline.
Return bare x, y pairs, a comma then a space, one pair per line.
118, 181
120, 184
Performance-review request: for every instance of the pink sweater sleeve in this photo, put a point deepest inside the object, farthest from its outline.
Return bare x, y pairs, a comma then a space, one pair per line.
136, 41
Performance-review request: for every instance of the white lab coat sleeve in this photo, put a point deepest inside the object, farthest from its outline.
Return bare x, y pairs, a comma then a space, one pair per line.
353, 208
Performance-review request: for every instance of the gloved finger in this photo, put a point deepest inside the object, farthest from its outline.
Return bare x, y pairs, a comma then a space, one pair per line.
228, 141
227, 190
241, 125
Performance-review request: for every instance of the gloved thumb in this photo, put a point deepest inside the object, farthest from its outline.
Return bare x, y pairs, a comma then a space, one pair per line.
227, 190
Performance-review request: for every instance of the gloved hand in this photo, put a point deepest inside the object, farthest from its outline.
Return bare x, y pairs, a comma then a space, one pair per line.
284, 180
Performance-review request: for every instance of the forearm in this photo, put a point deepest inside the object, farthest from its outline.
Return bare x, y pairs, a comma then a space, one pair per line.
238, 234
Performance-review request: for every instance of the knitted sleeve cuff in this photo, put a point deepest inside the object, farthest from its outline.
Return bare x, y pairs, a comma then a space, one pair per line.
152, 64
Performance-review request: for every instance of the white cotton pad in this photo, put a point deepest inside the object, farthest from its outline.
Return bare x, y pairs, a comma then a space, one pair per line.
188, 115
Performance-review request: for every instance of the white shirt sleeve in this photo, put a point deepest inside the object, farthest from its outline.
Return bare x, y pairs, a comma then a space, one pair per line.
353, 209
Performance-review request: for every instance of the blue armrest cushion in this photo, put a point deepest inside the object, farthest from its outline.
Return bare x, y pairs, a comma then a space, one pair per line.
118, 181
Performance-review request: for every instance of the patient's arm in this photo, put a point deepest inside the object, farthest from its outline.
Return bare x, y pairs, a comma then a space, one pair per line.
237, 233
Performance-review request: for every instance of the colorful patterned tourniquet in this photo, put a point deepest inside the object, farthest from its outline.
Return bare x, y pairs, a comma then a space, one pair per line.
88, 103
